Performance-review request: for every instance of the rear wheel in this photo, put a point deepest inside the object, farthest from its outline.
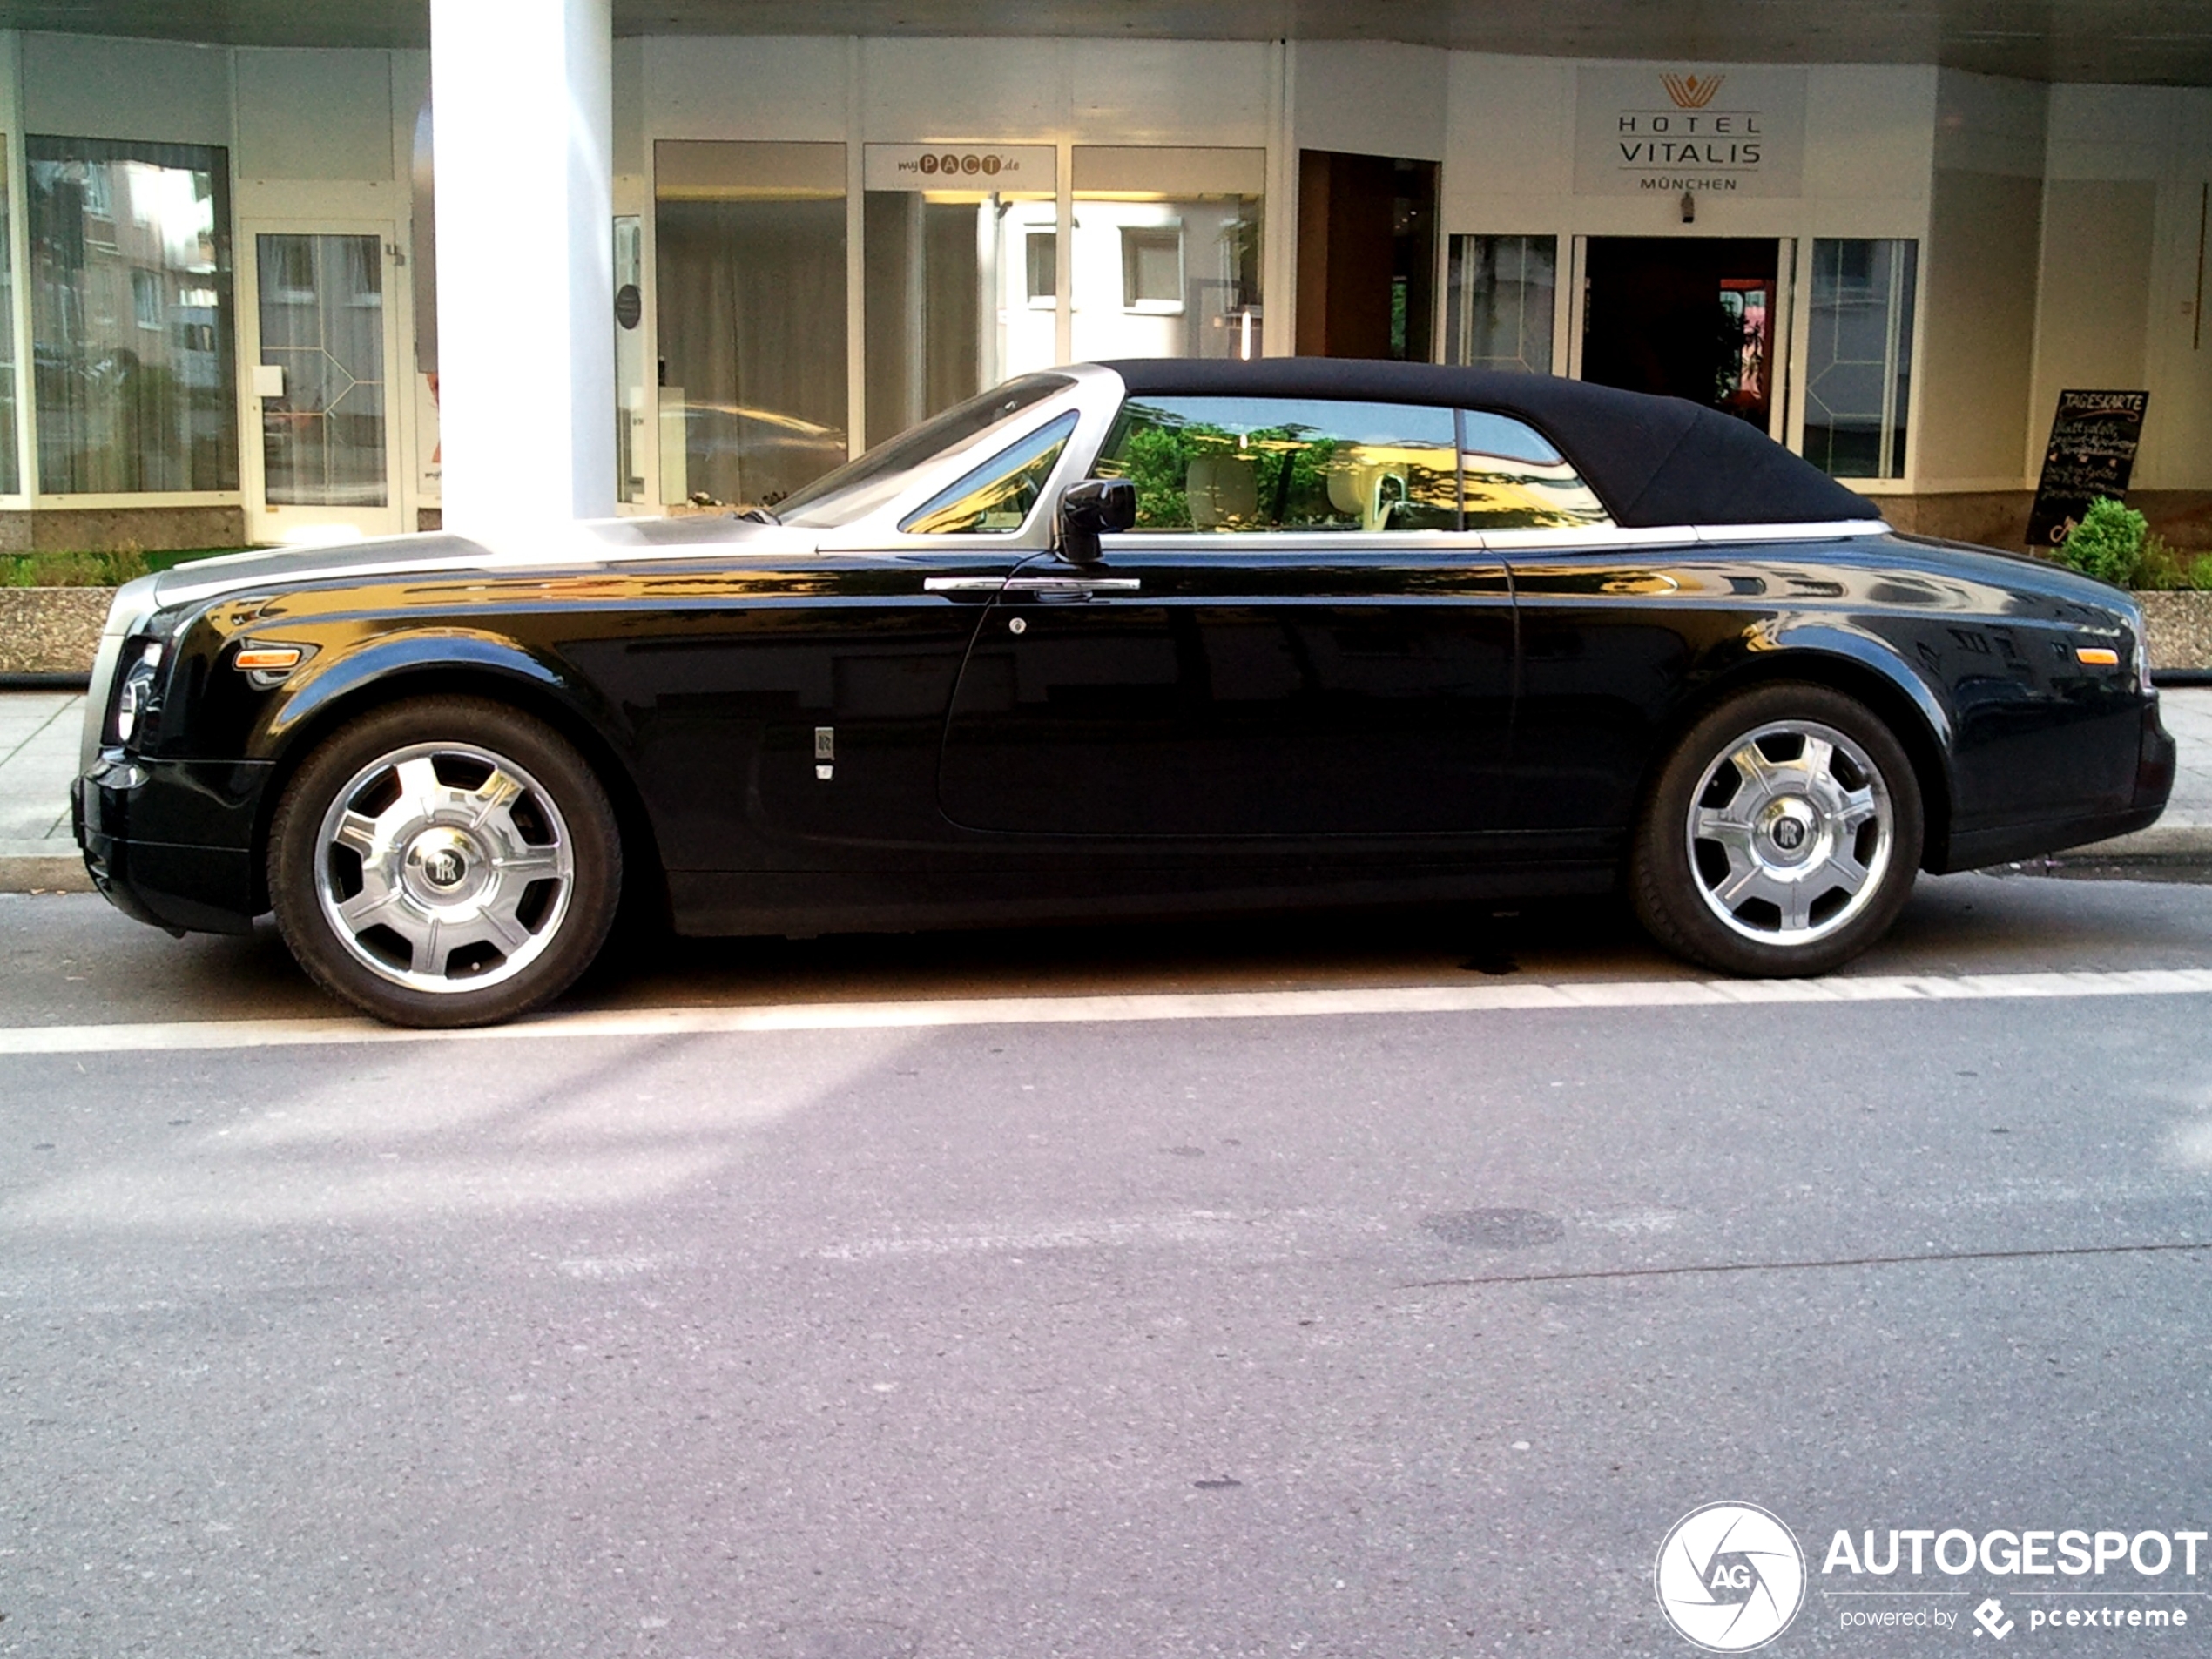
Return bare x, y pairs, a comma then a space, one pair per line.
445, 861
1782, 836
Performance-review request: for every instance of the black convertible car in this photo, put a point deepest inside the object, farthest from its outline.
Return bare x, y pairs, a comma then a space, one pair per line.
1123, 639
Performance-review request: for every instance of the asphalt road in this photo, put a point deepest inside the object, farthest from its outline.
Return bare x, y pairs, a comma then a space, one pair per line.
1397, 1334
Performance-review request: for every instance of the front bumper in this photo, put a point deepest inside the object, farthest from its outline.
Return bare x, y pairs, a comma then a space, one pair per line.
170, 843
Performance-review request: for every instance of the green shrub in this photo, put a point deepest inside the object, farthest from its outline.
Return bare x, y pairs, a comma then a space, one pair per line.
2159, 569
2108, 544
112, 569
2199, 575
73, 570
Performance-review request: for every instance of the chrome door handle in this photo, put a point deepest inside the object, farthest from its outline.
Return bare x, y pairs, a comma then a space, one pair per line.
1075, 586
1072, 584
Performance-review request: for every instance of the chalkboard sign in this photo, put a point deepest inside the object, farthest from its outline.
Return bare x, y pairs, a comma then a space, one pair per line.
2092, 452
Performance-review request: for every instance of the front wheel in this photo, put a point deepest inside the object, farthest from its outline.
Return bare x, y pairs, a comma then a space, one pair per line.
445, 861
1782, 836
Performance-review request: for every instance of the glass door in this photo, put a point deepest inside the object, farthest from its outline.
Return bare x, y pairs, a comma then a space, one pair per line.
322, 364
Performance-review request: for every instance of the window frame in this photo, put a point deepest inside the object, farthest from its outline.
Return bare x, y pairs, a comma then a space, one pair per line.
1046, 299
1133, 240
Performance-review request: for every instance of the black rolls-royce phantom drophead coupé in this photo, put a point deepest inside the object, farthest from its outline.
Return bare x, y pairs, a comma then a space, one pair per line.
1123, 639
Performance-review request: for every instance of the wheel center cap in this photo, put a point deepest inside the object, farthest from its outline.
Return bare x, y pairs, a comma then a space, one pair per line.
443, 864
1789, 828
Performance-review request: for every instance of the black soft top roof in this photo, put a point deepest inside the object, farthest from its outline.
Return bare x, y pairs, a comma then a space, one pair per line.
1653, 461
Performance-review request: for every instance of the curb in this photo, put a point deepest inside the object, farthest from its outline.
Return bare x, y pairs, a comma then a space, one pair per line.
58, 873
2160, 844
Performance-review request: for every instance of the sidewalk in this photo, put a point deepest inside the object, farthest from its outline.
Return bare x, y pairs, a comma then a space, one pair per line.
2184, 830
38, 738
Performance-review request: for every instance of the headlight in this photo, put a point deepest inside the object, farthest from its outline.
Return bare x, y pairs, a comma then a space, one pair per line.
134, 694
126, 618
2143, 650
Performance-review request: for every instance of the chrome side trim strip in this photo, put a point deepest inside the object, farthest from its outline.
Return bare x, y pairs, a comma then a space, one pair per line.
962, 584
1722, 534
1579, 537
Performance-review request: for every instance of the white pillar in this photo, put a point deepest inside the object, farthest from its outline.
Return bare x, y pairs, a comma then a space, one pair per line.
523, 91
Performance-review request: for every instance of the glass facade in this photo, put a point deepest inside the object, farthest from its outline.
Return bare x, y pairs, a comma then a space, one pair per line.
960, 288
963, 284
131, 324
966, 278
749, 252
1499, 295
1858, 359
9, 482
1165, 252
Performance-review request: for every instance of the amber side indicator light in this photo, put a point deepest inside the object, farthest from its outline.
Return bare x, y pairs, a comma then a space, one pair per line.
2097, 656
275, 659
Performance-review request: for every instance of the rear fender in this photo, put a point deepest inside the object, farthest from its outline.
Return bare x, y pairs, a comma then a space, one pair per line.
1861, 664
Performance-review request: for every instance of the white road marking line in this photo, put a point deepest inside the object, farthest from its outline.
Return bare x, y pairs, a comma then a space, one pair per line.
1120, 1010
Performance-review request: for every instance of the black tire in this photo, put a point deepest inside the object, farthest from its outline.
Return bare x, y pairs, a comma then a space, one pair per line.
1734, 899
486, 884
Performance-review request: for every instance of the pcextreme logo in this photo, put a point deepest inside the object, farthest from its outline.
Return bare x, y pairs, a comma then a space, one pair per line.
1729, 1577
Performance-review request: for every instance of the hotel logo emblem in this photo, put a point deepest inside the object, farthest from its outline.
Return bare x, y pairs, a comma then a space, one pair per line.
1690, 93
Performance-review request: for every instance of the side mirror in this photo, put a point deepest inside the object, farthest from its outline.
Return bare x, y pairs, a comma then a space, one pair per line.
1089, 509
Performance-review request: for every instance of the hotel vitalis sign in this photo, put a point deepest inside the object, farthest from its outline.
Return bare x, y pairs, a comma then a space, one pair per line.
1716, 130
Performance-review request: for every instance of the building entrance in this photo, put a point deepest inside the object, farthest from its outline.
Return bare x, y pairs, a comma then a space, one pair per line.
1367, 256
1689, 317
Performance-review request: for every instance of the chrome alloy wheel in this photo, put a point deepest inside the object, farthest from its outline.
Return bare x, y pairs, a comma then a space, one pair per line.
1789, 833
444, 868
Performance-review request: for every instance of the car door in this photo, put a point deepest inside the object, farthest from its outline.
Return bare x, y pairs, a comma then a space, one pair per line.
1599, 643
850, 755
1611, 624
789, 703
1298, 639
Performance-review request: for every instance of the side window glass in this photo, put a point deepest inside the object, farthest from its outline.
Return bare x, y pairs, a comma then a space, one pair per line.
1247, 464
999, 495
1512, 478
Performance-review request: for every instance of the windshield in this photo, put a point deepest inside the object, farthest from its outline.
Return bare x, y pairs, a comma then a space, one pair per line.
860, 487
